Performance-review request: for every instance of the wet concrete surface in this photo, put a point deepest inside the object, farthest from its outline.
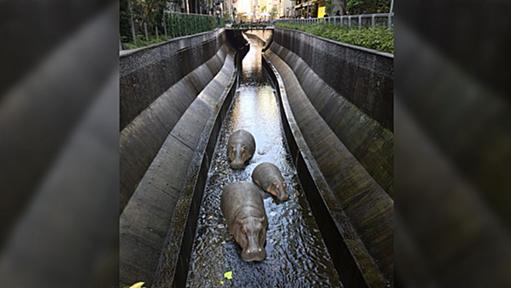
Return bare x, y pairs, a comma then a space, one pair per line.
296, 253
352, 149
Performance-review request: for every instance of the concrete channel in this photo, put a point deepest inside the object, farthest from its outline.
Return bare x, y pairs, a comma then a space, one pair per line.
331, 138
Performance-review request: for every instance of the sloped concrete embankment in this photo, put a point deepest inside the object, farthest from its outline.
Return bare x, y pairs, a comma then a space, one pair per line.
338, 101
173, 99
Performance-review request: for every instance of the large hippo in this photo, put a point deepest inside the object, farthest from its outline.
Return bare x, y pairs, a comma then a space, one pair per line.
243, 209
240, 148
268, 177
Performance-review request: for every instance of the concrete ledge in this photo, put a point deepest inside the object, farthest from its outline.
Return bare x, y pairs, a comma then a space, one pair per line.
155, 92
141, 139
175, 177
363, 76
147, 73
367, 140
351, 259
360, 210
174, 261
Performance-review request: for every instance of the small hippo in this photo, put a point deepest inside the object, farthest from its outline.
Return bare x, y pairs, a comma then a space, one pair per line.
240, 148
268, 177
243, 209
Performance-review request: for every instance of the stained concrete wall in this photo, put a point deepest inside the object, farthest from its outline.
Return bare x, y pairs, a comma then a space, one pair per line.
170, 137
362, 76
157, 86
145, 74
340, 97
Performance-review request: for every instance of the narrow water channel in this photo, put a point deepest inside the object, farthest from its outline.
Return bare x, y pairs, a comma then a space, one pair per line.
296, 254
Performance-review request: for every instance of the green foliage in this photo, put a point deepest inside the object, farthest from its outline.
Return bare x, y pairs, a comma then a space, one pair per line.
227, 17
142, 42
124, 24
150, 14
377, 38
177, 25
355, 7
328, 7
274, 13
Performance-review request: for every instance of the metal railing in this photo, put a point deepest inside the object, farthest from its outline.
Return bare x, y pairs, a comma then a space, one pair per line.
350, 21
173, 24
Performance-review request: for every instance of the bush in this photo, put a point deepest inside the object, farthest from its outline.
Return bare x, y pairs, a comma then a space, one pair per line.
177, 24
142, 42
377, 38
355, 7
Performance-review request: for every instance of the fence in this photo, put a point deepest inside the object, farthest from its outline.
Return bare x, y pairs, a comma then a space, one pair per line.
173, 24
350, 21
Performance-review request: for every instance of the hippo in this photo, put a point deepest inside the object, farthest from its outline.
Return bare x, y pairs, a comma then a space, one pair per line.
240, 148
243, 209
268, 177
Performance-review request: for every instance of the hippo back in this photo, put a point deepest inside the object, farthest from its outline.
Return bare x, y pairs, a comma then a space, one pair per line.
241, 195
265, 173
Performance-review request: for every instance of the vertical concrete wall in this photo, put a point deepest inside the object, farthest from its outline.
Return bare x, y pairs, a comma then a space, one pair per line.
145, 74
164, 149
341, 100
157, 86
362, 76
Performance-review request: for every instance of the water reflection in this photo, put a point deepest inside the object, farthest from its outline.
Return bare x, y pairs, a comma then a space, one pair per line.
296, 254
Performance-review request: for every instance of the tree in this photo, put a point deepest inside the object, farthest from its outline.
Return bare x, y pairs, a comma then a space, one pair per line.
148, 12
329, 7
332, 6
274, 13
125, 24
354, 7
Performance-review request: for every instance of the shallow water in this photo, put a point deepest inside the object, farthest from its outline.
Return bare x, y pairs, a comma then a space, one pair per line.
296, 255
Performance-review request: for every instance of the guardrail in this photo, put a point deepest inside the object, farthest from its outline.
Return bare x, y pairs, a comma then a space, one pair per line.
350, 21
173, 24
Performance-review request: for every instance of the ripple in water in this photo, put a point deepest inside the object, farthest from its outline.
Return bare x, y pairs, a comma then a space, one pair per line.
296, 253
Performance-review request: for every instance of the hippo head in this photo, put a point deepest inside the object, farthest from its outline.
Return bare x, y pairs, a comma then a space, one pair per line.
251, 236
239, 155
278, 189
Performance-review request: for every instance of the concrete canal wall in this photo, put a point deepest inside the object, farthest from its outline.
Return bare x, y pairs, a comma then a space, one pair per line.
339, 101
173, 99
337, 109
